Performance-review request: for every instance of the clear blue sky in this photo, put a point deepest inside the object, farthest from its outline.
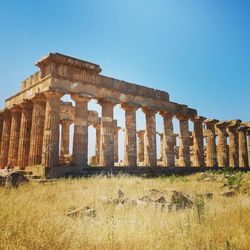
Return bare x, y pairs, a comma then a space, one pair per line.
196, 50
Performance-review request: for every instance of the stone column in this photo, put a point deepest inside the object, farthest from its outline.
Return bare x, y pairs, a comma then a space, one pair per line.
24, 137
150, 157
37, 129
50, 152
198, 147
211, 157
248, 146
107, 134
97, 146
116, 140
242, 139
140, 145
222, 153
184, 150
65, 136
80, 141
5, 139
14, 135
130, 152
161, 145
168, 140
233, 143
1, 129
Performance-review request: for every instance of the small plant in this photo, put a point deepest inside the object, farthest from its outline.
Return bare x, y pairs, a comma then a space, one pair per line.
233, 180
199, 206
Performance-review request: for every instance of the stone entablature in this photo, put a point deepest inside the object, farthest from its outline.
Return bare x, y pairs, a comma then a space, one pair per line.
29, 124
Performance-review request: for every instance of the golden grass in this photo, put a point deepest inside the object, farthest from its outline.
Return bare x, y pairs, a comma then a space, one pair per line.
33, 216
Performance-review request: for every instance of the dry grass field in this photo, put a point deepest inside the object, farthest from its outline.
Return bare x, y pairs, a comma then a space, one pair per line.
34, 215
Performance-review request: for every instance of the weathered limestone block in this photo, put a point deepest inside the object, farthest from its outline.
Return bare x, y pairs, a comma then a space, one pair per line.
168, 142
233, 143
150, 158
130, 150
14, 135
184, 148
80, 141
107, 134
243, 152
65, 137
198, 147
140, 146
24, 136
37, 130
211, 157
5, 138
222, 152
116, 140
50, 150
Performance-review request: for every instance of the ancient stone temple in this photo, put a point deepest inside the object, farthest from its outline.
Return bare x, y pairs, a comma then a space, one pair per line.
30, 121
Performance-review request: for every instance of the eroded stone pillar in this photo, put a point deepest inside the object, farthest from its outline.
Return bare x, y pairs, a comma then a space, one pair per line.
150, 157
14, 135
233, 143
211, 157
161, 145
248, 146
65, 137
5, 138
50, 150
242, 139
24, 136
140, 146
222, 148
98, 141
130, 150
198, 147
116, 142
168, 140
107, 134
1, 129
184, 150
37, 130
80, 141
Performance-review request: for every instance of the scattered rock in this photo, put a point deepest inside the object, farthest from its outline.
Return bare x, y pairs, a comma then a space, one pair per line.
180, 200
81, 212
229, 193
12, 178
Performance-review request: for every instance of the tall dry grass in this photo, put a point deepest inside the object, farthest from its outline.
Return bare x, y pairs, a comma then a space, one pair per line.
33, 216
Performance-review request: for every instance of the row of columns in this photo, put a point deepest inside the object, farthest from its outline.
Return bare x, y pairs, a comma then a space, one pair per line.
30, 136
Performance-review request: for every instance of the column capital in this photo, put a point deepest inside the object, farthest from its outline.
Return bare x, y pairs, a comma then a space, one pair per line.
182, 117
26, 105
211, 122
243, 128
140, 132
107, 102
129, 107
166, 114
6, 113
222, 125
149, 111
15, 109
39, 98
66, 122
80, 98
198, 119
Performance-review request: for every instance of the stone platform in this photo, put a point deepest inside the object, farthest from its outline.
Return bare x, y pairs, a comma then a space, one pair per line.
74, 171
